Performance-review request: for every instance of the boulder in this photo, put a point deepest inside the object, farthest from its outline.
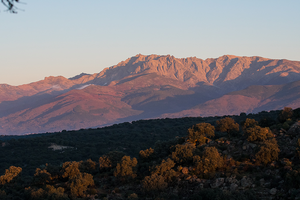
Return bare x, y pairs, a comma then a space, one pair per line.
295, 129
233, 187
217, 183
246, 182
273, 191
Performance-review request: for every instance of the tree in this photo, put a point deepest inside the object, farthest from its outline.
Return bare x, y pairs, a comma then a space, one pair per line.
268, 152
199, 131
41, 177
10, 4
154, 183
249, 123
258, 133
227, 125
209, 162
104, 163
70, 169
183, 152
285, 114
125, 167
80, 183
146, 154
165, 169
88, 166
10, 174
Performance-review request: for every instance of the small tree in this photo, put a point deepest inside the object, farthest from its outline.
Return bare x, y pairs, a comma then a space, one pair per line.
70, 169
199, 131
87, 166
146, 154
268, 152
80, 183
258, 133
42, 177
104, 163
10, 174
285, 114
154, 183
183, 152
165, 169
249, 123
125, 167
209, 162
227, 125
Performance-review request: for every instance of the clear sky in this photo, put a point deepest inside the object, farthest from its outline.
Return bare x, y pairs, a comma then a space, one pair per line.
68, 37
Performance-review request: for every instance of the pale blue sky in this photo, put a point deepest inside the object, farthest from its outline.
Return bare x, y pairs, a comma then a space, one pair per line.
73, 36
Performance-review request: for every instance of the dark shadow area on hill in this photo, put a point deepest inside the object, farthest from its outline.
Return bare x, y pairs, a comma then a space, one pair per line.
287, 95
153, 108
130, 79
225, 70
27, 102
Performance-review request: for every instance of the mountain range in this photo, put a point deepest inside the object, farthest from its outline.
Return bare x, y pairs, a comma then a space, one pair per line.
152, 86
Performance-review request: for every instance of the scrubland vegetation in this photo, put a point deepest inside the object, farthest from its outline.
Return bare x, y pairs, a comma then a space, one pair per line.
254, 156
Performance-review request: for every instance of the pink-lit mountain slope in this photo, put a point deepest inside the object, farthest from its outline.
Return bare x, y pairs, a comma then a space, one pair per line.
150, 87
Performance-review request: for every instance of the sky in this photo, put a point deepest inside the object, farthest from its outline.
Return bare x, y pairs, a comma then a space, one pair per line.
53, 38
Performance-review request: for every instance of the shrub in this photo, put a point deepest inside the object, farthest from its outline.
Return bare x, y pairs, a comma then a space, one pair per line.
41, 176
257, 133
79, 184
70, 169
268, 152
285, 114
154, 182
227, 125
249, 123
10, 174
104, 163
165, 169
133, 196
55, 193
87, 166
183, 153
125, 167
145, 154
115, 157
199, 131
209, 162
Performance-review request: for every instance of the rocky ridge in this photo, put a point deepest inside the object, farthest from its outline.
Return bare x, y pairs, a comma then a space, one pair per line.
149, 87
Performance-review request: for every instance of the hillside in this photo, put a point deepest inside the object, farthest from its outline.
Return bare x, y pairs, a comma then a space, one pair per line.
144, 87
229, 157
